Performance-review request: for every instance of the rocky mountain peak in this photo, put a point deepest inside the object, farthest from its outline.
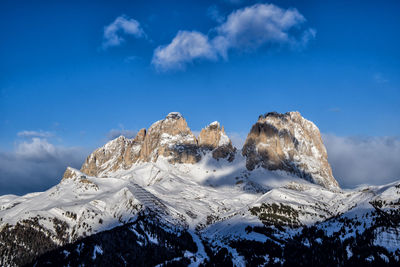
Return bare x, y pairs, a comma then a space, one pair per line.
174, 116
119, 153
291, 143
171, 138
276, 142
213, 137
210, 136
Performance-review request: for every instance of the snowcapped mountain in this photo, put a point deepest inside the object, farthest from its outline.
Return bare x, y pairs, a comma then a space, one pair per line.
168, 197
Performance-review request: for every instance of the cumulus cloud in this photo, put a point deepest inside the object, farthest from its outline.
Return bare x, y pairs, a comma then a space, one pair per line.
37, 148
245, 29
186, 47
357, 160
256, 25
36, 165
30, 134
113, 32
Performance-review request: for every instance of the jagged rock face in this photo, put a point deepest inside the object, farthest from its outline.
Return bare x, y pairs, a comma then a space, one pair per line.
170, 138
119, 153
70, 173
291, 143
213, 138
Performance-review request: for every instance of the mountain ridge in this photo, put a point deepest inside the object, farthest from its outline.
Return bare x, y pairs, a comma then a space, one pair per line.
212, 211
171, 137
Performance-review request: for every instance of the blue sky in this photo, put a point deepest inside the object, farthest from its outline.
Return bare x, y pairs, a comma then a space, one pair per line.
72, 71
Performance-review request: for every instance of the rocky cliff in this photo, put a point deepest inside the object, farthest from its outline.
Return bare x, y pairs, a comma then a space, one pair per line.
291, 143
213, 138
170, 138
119, 153
285, 142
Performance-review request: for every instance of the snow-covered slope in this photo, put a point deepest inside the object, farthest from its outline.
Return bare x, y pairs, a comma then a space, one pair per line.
215, 201
213, 211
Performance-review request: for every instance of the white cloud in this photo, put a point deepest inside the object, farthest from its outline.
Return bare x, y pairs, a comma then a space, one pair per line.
38, 148
30, 134
112, 35
186, 47
245, 29
357, 160
256, 25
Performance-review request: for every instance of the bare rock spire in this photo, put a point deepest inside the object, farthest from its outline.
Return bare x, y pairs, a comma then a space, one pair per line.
170, 138
291, 143
213, 138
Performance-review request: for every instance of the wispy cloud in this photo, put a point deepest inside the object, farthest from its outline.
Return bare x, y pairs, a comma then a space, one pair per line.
131, 59
245, 29
234, 2
379, 78
30, 134
122, 25
214, 14
335, 109
361, 160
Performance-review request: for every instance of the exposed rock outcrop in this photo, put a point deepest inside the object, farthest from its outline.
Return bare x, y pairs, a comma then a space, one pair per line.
291, 143
71, 173
276, 142
213, 138
170, 138
119, 153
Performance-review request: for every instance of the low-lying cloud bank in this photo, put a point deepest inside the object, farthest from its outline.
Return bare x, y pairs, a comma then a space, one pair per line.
36, 165
361, 160
356, 160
